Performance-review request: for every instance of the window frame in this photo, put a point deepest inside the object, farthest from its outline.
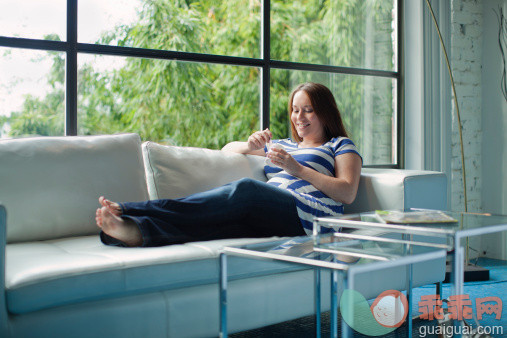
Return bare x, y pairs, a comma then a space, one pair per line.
72, 47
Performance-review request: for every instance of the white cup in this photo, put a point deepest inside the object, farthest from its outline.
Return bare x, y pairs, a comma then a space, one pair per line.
270, 146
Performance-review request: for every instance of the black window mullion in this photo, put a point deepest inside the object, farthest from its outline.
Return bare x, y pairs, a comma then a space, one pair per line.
311, 67
400, 100
71, 70
167, 55
47, 45
266, 58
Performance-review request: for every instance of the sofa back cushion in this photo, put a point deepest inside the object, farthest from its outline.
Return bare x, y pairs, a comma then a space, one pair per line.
174, 172
50, 185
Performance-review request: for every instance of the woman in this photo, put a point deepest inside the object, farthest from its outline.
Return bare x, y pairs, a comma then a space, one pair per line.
312, 175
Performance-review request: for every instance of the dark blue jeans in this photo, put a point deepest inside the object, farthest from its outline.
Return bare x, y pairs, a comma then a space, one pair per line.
244, 208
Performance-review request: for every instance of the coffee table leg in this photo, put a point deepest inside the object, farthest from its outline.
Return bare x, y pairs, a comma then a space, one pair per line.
317, 301
334, 304
410, 301
223, 295
457, 275
346, 330
458, 264
408, 249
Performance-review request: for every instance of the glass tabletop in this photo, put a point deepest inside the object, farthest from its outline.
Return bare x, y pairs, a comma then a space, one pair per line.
334, 251
423, 222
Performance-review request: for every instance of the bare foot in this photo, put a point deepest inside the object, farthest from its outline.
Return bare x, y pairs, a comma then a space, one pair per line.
113, 207
98, 217
124, 230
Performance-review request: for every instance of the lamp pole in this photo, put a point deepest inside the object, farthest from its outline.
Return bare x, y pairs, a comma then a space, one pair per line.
460, 131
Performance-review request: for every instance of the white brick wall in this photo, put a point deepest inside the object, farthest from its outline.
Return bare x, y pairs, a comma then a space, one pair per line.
466, 57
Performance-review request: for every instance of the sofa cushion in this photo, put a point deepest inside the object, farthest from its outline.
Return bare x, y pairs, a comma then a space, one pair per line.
48, 274
52, 273
50, 185
397, 189
174, 172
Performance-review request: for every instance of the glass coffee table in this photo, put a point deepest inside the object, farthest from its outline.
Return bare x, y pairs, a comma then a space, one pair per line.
344, 255
452, 234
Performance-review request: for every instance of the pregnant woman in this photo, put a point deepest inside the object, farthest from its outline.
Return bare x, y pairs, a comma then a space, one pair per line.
312, 174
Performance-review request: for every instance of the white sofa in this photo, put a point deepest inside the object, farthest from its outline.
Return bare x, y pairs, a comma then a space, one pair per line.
59, 280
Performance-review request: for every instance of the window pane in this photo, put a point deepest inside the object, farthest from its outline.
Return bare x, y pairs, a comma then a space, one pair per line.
204, 26
367, 104
34, 19
179, 103
349, 33
32, 86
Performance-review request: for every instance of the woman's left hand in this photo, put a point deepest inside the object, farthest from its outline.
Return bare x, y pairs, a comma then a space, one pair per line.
284, 160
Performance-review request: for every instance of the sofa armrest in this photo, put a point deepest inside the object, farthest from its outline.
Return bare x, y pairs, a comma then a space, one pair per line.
3, 243
398, 189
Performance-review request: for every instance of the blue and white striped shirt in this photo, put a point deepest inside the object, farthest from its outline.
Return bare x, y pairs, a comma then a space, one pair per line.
310, 202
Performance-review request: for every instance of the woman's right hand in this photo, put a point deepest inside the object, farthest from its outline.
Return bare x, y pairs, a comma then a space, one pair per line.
259, 139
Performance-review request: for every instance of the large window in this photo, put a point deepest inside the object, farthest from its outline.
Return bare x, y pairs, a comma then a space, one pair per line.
198, 72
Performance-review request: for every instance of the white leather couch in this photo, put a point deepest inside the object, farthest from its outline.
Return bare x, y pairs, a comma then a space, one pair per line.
59, 280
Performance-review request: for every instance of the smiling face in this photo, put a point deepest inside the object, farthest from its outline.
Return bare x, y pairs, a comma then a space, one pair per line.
305, 120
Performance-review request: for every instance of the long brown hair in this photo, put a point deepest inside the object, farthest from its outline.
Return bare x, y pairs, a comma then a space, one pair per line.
324, 105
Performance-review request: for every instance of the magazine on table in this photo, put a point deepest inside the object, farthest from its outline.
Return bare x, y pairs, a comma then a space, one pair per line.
414, 217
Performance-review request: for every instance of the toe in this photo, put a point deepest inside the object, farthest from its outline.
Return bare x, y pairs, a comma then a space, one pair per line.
98, 217
108, 204
103, 201
104, 211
